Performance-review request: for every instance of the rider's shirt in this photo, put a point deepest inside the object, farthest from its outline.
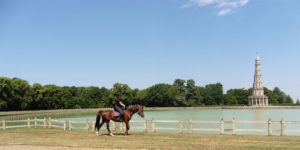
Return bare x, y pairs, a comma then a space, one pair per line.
119, 103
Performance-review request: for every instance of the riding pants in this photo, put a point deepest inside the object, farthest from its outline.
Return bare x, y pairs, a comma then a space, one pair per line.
119, 110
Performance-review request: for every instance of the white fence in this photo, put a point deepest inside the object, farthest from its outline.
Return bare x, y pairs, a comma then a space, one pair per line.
151, 125
23, 112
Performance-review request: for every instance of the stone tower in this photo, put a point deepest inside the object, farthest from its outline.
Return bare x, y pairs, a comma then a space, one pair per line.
258, 97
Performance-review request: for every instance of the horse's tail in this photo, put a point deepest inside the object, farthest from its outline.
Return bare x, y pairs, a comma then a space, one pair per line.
98, 118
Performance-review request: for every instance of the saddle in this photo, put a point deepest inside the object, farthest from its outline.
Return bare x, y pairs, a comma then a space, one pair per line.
116, 113
117, 117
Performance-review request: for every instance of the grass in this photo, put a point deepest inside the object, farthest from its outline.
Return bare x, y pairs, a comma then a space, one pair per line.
85, 139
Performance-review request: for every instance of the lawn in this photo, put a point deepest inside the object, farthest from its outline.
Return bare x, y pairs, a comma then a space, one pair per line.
85, 139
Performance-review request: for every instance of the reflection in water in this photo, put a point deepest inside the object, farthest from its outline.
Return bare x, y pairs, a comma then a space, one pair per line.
259, 115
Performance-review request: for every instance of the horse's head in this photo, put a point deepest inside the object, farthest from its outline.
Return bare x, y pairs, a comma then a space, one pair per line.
141, 110
137, 109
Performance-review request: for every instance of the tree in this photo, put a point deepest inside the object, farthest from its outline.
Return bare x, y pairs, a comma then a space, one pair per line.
273, 99
191, 90
213, 94
22, 94
134, 94
298, 102
193, 96
200, 91
92, 97
37, 96
289, 100
280, 96
53, 97
160, 95
6, 93
230, 99
239, 96
127, 94
141, 97
180, 93
105, 96
18, 94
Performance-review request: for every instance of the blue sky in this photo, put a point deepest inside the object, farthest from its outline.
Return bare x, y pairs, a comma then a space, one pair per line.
84, 43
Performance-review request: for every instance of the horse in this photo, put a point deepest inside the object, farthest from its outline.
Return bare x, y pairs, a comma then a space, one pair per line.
108, 115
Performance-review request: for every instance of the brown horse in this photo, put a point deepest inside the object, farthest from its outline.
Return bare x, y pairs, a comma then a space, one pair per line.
108, 115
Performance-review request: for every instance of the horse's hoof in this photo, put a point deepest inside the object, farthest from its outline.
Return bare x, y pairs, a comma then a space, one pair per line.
111, 134
97, 133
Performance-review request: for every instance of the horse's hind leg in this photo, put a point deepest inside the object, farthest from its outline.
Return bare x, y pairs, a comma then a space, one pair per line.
107, 126
97, 133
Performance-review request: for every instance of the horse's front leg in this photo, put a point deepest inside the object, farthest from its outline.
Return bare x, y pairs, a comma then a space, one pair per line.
107, 126
127, 128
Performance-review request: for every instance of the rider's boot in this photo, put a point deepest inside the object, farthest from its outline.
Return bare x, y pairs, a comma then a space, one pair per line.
121, 117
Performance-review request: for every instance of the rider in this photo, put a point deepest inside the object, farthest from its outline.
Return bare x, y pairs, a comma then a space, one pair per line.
119, 106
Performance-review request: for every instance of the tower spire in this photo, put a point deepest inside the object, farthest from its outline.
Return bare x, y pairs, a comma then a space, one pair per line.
257, 56
258, 97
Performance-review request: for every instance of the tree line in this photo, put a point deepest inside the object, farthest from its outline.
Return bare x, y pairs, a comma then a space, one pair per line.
18, 94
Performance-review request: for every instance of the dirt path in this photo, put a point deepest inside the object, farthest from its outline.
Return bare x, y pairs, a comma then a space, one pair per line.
29, 147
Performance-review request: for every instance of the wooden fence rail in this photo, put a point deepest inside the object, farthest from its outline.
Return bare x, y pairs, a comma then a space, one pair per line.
151, 125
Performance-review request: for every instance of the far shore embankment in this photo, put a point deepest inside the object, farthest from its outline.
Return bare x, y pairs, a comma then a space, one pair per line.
24, 112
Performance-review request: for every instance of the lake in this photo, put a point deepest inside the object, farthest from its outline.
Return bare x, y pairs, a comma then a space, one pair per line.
201, 115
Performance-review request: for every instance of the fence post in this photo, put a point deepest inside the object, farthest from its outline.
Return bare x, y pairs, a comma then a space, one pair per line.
65, 125
113, 126
269, 127
233, 126
49, 122
3, 124
181, 126
145, 125
35, 122
45, 122
121, 126
93, 125
153, 125
222, 126
87, 125
190, 126
28, 122
282, 122
70, 125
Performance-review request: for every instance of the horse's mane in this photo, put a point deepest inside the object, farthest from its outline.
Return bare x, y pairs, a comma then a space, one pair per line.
133, 108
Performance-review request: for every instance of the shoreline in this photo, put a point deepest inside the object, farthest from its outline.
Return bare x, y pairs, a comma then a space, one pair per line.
223, 107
